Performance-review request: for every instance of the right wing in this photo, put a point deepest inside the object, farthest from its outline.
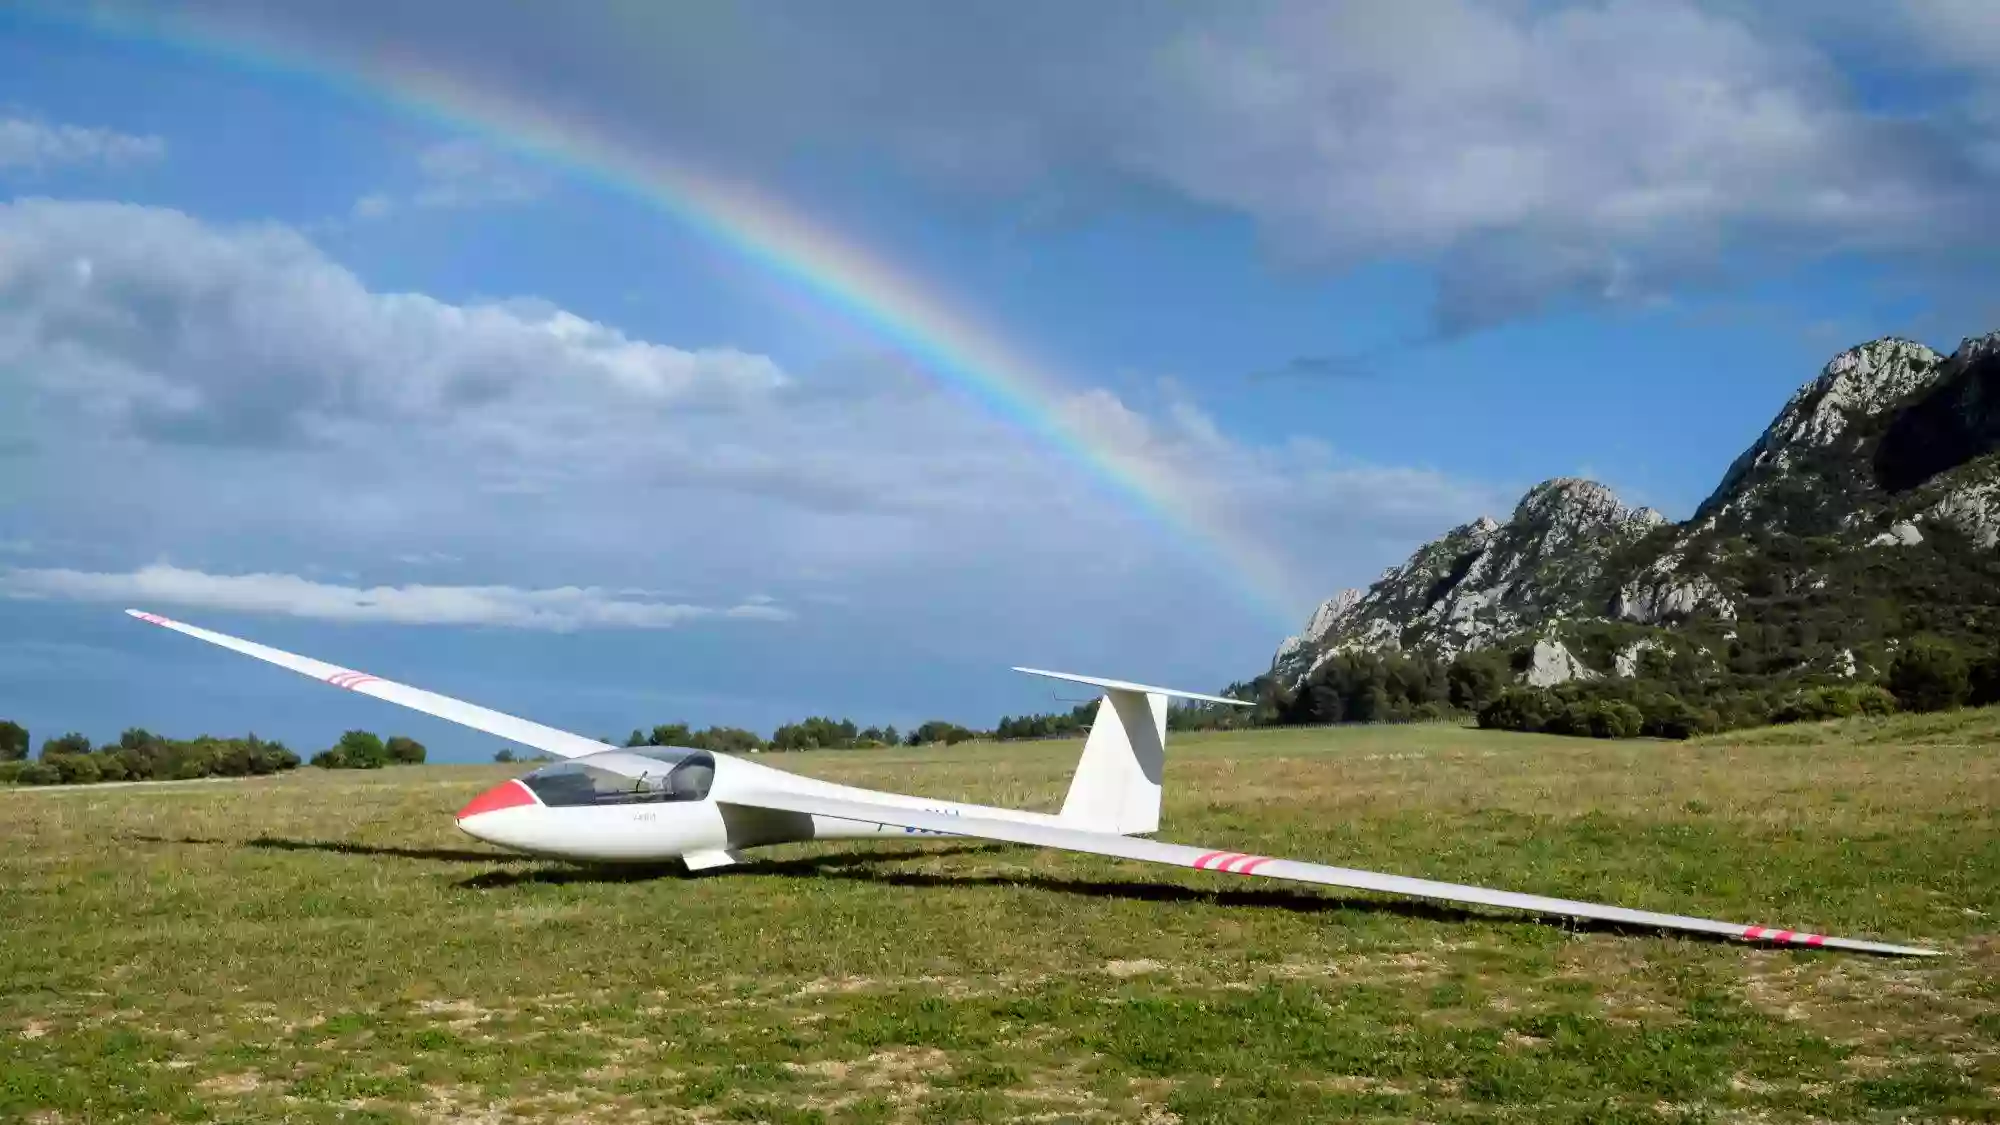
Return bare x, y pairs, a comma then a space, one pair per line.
1243, 863
561, 743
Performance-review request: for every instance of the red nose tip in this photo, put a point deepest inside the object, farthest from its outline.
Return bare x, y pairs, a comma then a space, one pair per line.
505, 795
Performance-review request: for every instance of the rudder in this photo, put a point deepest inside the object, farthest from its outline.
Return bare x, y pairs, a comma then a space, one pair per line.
1116, 787
1117, 783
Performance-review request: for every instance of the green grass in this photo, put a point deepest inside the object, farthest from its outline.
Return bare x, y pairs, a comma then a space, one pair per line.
326, 946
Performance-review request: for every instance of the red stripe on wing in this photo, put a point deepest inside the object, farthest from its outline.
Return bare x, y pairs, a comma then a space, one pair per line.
350, 679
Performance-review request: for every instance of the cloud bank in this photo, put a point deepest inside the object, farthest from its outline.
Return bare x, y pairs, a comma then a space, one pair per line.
208, 392
1526, 153
562, 609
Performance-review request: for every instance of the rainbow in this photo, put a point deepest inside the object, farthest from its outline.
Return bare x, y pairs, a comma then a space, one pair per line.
739, 217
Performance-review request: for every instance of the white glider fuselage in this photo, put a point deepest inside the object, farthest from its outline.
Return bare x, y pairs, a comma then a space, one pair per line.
631, 812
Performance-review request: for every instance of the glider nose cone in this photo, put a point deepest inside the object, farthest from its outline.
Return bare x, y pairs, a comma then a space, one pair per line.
506, 795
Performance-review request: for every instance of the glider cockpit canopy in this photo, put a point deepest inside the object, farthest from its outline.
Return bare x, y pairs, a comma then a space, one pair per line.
637, 775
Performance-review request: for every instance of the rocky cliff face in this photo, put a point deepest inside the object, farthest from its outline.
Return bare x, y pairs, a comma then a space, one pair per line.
1802, 470
1481, 582
1892, 448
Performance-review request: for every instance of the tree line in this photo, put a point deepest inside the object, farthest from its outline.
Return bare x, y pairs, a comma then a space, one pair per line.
141, 755
138, 755
823, 733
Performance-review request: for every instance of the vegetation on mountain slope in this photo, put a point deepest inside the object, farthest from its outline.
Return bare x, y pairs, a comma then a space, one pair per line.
1852, 543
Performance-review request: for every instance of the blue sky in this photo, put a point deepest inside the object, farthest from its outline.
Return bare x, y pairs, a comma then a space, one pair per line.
282, 356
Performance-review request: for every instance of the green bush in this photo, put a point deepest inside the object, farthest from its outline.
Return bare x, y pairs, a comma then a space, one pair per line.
1476, 679
1615, 719
1983, 681
1929, 674
1568, 717
37, 773
356, 750
1839, 702
1521, 709
1663, 715
1874, 700
73, 769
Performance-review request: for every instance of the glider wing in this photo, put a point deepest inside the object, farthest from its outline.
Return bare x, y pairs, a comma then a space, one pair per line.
1243, 863
558, 742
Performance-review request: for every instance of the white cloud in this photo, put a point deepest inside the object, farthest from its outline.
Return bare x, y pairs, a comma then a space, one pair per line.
1601, 151
561, 609
152, 320
454, 174
374, 205
38, 146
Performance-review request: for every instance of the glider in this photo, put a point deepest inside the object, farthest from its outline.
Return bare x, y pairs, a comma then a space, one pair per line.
608, 803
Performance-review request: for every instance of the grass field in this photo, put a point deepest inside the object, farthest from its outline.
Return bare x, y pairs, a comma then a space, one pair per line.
327, 946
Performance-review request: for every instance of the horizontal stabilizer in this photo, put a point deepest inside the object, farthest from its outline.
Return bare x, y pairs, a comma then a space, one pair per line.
1127, 685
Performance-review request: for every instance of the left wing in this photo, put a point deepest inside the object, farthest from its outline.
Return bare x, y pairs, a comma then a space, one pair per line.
558, 742
1241, 863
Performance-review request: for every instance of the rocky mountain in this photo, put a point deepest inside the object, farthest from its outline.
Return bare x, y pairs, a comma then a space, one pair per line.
1867, 510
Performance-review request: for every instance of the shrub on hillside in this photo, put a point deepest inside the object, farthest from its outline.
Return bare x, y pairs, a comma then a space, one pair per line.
1475, 679
1983, 681
1515, 708
1615, 718
1837, 702
1664, 715
1929, 674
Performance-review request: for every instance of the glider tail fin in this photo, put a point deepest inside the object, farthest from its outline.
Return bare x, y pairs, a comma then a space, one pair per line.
1116, 787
